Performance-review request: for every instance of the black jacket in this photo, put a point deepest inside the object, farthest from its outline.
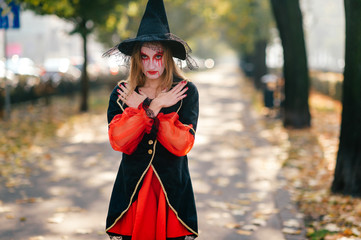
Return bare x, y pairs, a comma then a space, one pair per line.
171, 170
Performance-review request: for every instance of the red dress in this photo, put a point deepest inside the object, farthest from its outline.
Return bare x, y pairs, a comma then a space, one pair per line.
150, 216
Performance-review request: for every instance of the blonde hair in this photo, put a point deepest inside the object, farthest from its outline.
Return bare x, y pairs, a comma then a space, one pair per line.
136, 77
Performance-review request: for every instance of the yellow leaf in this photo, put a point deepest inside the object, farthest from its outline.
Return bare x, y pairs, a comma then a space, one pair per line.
37, 238
233, 225
291, 231
244, 232
347, 232
9, 216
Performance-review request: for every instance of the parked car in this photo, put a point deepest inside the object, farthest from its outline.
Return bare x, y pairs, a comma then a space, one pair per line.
60, 69
25, 71
23, 66
10, 76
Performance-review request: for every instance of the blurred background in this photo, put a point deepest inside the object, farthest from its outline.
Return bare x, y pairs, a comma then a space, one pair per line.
45, 55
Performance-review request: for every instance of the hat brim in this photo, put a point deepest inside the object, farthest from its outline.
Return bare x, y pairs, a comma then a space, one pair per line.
175, 44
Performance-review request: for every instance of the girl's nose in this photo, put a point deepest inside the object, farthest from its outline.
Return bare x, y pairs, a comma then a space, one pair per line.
152, 64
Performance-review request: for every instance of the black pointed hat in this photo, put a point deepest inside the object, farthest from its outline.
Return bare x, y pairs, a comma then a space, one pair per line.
154, 20
154, 28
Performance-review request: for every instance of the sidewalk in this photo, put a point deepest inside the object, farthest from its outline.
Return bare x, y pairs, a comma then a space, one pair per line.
234, 165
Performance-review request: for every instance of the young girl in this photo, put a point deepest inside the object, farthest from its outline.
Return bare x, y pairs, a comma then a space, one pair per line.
152, 119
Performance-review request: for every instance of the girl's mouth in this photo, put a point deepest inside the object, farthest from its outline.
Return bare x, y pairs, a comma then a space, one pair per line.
152, 72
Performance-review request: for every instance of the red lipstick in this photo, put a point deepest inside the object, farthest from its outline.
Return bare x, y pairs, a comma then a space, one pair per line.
152, 72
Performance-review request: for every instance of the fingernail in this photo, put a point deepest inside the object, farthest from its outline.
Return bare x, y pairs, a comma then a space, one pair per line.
118, 90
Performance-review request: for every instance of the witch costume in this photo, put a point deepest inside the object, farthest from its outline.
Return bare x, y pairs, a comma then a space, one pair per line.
152, 197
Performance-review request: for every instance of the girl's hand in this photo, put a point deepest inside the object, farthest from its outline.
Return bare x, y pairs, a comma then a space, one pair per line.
133, 99
167, 99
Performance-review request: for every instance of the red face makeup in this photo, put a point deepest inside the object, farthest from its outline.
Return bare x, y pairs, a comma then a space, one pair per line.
152, 61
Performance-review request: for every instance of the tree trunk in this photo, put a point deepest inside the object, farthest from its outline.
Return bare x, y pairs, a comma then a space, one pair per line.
247, 64
289, 22
259, 62
84, 77
2, 104
347, 177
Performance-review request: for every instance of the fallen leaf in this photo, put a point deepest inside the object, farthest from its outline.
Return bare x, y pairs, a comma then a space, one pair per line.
9, 216
240, 185
244, 202
291, 231
47, 156
213, 215
233, 225
243, 232
201, 187
292, 223
346, 238
332, 237
249, 227
259, 222
356, 232
358, 209
238, 212
215, 204
268, 211
84, 231
222, 181
29, 200
37, 238
310, 231
347, 232
332, 227
57, 218
4, 209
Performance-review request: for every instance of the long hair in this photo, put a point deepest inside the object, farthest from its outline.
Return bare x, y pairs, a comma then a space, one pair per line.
136, 77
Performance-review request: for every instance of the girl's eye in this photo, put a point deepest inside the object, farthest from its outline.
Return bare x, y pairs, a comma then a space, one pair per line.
143, 56
159, 56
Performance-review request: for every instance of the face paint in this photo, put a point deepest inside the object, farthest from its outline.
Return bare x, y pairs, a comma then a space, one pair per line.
152, 60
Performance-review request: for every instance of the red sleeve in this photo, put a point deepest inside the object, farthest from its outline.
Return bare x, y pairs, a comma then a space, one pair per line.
174, 135
126, 130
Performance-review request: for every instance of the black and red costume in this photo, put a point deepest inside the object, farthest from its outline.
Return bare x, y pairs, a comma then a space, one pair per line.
152, 198
153, 184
